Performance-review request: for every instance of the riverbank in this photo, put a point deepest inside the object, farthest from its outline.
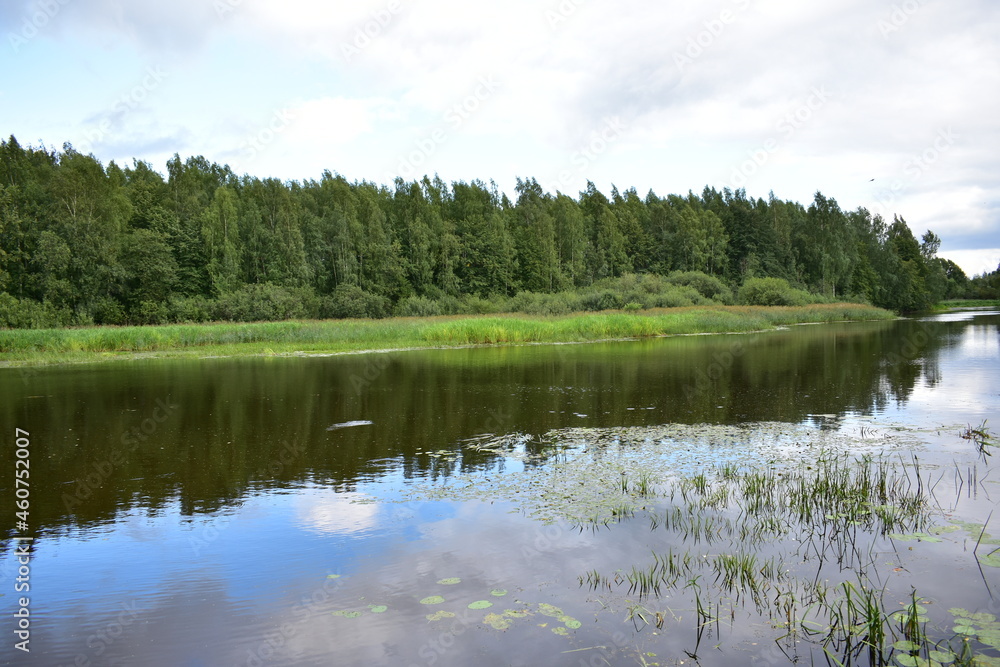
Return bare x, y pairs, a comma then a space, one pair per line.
967, 303
20, 347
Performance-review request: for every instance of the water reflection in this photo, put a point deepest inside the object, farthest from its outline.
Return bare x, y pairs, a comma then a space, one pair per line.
204, 433
191, 486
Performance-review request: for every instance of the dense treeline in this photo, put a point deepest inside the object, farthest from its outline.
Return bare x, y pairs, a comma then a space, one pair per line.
82, 243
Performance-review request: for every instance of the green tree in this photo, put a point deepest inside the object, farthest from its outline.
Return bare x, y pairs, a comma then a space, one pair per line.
220, 231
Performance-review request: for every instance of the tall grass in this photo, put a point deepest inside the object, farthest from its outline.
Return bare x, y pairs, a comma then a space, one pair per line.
54, 345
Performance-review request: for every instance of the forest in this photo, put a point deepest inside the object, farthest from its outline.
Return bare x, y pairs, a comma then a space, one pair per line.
82, 243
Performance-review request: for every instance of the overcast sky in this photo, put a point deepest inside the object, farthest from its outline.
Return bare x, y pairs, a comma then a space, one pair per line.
768, 95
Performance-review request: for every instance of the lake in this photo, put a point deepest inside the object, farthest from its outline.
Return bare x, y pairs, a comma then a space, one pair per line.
621, 503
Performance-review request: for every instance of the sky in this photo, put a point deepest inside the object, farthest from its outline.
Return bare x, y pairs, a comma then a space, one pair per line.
891, 106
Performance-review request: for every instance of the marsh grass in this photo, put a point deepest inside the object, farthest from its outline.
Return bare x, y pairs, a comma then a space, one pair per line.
981, 437
762, 528
335, 336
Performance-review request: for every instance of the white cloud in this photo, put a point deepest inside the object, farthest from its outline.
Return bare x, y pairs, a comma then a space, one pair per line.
974, 262
329, 512
565, 67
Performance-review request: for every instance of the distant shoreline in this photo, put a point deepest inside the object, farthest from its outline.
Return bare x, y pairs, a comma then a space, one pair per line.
27, 347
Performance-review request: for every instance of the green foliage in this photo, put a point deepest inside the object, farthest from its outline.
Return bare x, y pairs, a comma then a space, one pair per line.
266, 302
771, 292
708, 286
81, 242
417, 306
368, 334
352, 301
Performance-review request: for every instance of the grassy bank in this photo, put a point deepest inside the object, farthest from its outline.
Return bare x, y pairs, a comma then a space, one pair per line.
967, 303
25, 346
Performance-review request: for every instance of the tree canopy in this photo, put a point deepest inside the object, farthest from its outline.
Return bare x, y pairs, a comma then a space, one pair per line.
81, 242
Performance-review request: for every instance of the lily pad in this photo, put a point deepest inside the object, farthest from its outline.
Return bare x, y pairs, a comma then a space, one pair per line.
991, 560
450, 581
570, 622
910, 537
906, 645
496, 621
498, 592
347, 614
440, 615
549, 610
941, 657
561, 631
481, 604
377, 608
333, 576
433, 599
915, 661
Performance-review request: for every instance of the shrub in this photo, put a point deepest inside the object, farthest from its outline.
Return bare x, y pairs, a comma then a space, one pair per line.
474, 304
706, 285
107, 310
771, 292
29, 314
189, 309
533, 303
352, 301
418, 306
264, 302
677, 296
604, 299
150, 312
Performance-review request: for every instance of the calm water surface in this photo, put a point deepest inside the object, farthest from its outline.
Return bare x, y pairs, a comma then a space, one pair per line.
217, 512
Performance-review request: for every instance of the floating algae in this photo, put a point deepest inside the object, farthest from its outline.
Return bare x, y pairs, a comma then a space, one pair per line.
378, 608
347, 614
497, 622
440, 615
450, 581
